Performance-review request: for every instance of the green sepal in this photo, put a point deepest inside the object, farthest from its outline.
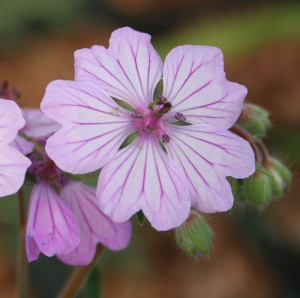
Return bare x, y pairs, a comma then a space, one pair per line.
140, 216
163, 147
180, 123
124, 104
129, 140
158, 92
258, 189
261, 169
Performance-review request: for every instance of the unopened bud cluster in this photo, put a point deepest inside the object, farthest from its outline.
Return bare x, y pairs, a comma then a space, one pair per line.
268, 182
271, 177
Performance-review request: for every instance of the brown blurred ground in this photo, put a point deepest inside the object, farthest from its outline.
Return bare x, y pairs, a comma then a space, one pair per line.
234, 269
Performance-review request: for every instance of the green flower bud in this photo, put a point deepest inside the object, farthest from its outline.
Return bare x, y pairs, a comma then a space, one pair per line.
281, 176
236, 189
254, 120
258, 188
195, 236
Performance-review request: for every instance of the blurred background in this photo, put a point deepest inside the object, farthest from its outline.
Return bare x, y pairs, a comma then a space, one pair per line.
256, 254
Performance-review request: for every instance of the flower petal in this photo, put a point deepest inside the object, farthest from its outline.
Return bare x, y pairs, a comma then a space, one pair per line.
13, 166
94, 226
11, 120
37, 123
143, 177
51, 223
128, 70
22, 145
195, 84
208, 156
94, 126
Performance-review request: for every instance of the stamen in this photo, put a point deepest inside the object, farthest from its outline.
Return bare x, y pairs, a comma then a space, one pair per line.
147, 129
165, 109
165, 138
180, 117
137, 115
162, 99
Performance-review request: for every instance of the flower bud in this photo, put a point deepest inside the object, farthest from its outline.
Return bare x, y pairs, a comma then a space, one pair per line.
236, 189
254, 120
195, 236
281, 176
258, 188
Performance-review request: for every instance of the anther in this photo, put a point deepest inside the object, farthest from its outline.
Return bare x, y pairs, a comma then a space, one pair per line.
162, 99
136, 115
165, 138
166, 108
147, 129
180, 117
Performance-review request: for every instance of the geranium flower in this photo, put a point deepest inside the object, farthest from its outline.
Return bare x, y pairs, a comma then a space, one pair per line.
179, 114
13, 164
63, 218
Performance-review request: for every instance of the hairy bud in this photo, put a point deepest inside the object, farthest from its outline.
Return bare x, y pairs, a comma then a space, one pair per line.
254, 120
195, 236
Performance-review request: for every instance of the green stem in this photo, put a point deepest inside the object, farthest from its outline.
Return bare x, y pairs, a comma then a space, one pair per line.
79, 276
21, 283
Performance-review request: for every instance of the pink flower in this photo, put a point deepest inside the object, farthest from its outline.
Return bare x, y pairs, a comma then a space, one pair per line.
95, 227
183, 151
63, 218
13, 164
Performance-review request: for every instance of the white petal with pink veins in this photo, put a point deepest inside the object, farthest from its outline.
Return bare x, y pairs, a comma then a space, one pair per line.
13, 166
195, 84
37, 123
207, 157
128, 70
51, 224
11, 120
22, 145
94, 126
143, 177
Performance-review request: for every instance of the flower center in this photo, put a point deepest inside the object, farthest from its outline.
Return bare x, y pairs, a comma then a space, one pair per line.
149, 120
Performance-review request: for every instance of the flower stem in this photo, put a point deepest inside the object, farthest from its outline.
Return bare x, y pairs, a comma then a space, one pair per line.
246, 136
78, 278
21, 283
263, 150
